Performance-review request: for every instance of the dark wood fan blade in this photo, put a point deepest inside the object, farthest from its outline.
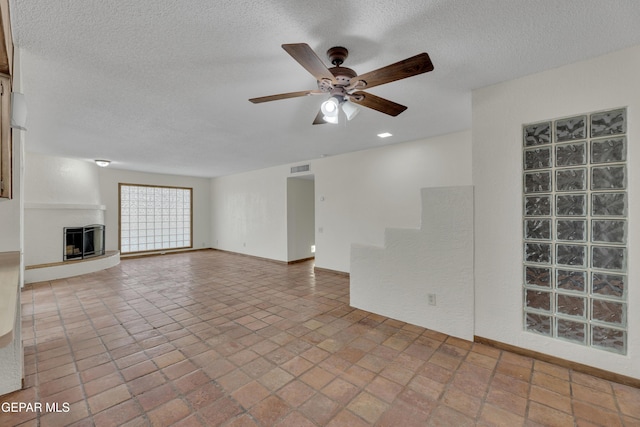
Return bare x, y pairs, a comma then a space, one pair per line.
319, 119
409, 67
302, 53
379, 104
284, 96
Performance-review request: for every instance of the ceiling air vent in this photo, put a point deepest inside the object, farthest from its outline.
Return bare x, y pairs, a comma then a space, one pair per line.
298, 169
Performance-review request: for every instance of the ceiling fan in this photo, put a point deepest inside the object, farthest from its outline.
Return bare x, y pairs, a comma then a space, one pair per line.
345, 86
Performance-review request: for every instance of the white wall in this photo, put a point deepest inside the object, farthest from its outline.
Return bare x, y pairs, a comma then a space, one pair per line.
368, 191
300, 218
59, 192
358, 196
62, 192
109, 178
60, 180
249, 213
498, 114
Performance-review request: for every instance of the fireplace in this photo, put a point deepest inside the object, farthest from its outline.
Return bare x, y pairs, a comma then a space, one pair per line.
83, 242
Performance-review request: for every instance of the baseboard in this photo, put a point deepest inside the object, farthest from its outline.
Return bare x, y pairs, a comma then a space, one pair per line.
328, 270
251, 256
139, 255
296, 261
578, 367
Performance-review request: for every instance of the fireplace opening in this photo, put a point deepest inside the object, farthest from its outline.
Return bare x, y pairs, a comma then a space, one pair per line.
83, 242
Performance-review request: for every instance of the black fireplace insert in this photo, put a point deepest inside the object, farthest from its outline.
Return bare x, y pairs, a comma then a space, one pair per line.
83, 242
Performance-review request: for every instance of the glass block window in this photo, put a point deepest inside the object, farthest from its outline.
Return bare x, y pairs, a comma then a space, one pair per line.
154, 218
575, 224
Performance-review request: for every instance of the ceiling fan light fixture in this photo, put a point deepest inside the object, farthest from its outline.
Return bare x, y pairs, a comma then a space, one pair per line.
331, 119
350, 110
331, 107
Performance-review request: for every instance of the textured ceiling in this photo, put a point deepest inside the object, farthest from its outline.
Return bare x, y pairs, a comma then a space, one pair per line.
163, 85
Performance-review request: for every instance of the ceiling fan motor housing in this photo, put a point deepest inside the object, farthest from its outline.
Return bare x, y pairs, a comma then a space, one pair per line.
337, 55
342, 75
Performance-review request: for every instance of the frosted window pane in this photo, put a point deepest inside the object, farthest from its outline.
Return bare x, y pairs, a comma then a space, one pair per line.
154, 218
612, 285
573, 331
609, 311
538, 323
537, 134
576, 228
609, 339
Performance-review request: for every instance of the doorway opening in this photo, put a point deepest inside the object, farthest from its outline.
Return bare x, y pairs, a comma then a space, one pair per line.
300, 218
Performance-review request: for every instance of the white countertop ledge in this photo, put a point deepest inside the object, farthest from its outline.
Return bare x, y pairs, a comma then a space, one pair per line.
9, 290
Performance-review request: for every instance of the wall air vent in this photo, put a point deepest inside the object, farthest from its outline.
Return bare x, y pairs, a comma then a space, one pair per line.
301, 168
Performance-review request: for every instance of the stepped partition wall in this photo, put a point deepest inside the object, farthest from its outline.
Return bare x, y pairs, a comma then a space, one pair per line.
423, 276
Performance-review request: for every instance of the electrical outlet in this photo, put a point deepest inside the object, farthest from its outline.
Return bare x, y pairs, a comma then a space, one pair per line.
432, 299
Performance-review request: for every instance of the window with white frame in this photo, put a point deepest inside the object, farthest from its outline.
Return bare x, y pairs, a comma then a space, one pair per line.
154, 218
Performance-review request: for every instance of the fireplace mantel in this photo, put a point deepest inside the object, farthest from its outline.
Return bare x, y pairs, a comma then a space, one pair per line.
71, 206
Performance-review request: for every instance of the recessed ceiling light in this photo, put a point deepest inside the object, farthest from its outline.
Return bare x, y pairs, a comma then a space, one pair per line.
384, 135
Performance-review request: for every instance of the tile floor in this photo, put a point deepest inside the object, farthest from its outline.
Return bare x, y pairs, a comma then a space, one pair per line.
212, 338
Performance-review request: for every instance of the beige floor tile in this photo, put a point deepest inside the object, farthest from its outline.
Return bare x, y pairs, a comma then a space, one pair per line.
213, 338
